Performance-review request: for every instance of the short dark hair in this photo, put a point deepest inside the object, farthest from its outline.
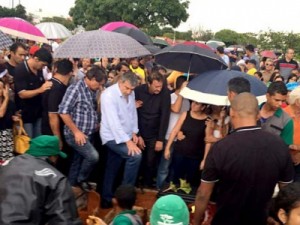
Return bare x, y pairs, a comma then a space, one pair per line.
277, 87
238, 85
291, 76
16, 45
155, 76
64, 66
43, 55
96, 72
179, 81
250, 47
220, 49
120, 64
126, 196
287, 199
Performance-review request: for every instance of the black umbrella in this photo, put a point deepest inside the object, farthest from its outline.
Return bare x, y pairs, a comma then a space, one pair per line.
136, 34
189, 59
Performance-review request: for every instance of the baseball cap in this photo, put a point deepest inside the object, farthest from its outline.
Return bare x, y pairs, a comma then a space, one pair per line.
45, 145
33, 49
169, 209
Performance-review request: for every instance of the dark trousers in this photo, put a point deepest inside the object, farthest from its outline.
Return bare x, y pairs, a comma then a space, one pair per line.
150, 162
185, 168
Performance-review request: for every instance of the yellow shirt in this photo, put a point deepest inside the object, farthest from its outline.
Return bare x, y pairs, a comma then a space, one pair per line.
252, 71
139, 71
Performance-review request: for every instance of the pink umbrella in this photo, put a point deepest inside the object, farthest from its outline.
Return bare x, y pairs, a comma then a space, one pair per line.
268, 54
22, 29
201, 45
114, 25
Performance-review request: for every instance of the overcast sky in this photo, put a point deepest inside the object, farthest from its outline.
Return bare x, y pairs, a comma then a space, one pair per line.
238, 15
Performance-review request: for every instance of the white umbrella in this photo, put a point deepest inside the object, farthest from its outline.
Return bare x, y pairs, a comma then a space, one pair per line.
54, 30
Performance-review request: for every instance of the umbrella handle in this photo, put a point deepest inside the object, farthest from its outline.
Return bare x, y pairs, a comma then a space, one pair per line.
188, 74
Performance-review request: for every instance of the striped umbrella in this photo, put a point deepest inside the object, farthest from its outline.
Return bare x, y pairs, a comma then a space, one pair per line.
5, 41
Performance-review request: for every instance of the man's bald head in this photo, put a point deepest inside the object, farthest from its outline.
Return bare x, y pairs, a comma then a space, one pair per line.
245, 105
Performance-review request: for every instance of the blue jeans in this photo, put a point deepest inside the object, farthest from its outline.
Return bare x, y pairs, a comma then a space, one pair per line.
84, 159
34, 129
115, 156
163, 168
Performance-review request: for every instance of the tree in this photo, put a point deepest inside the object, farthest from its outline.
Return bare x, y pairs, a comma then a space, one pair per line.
229, 37
92, 14
18, 11
66, 22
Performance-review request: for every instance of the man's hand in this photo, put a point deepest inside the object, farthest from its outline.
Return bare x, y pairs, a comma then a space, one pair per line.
133, 149
141, 143
80, 138
138, 103
46, 86
158, 146
93, 220
135, 138
180, 136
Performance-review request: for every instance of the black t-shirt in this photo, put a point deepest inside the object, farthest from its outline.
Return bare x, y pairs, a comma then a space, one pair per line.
10, 68
25, 79
51, 101
246, 165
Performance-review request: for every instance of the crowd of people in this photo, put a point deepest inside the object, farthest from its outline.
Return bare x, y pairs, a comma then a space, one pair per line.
124, 122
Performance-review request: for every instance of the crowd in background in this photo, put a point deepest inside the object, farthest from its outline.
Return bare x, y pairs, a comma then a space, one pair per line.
123, 121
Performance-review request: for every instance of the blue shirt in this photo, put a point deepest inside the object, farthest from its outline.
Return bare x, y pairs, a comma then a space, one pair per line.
80, 103
118, 116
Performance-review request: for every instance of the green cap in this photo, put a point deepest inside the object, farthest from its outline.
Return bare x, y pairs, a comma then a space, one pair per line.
168, 210
45, 145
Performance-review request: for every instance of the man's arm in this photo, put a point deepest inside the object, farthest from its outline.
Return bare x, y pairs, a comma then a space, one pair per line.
202, 198
165, 115
55, 125
23, 94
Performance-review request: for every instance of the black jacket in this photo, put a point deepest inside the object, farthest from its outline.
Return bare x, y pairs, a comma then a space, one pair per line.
33, 192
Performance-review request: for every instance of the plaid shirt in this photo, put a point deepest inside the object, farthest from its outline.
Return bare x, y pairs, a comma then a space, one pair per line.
80, 102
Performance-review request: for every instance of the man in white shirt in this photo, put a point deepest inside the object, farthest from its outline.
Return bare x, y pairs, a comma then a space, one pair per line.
119, 128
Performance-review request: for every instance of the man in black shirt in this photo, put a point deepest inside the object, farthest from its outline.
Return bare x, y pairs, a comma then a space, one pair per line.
153, 118
246, 164
51, 122
29, 85
17, 55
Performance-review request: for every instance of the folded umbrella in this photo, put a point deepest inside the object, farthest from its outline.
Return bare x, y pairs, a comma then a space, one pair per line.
5, 41
189, 59
21, 29
98, 44
211, 87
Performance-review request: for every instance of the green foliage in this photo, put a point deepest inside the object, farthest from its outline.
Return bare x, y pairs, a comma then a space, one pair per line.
92, 14
66, 22
229, 37
18, 11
